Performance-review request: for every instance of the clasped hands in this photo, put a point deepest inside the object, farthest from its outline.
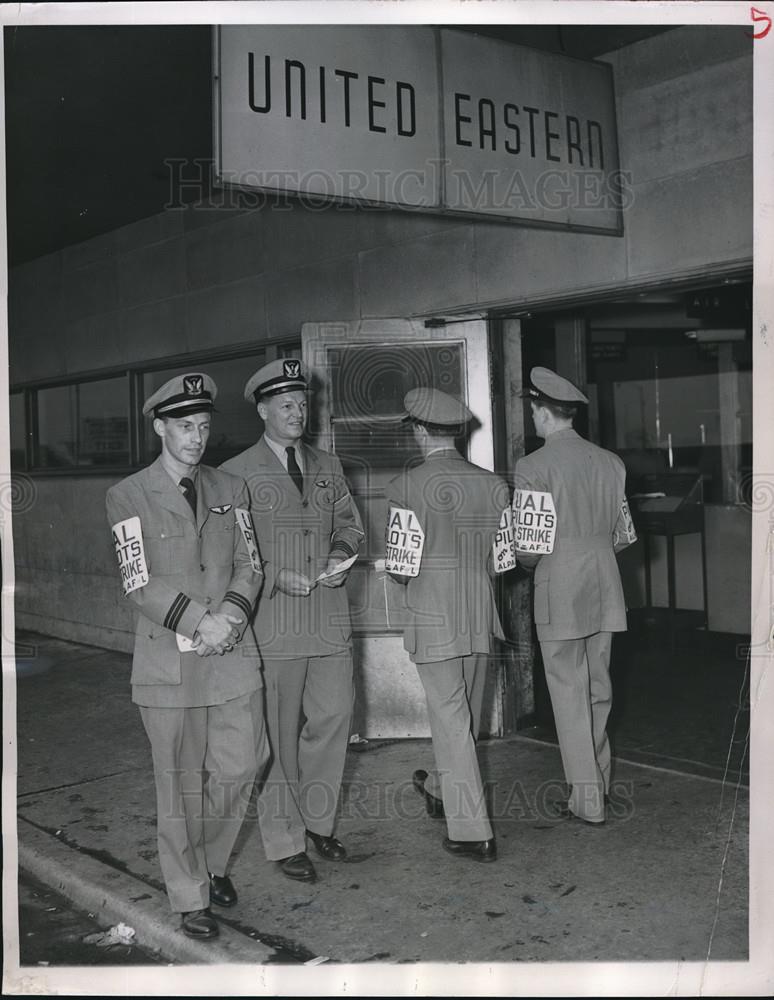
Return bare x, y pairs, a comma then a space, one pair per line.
217, 633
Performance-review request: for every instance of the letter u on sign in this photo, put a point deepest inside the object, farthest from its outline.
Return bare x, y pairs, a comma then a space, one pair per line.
503, 548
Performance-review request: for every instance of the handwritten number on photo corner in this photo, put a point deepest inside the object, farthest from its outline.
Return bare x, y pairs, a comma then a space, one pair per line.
759, 15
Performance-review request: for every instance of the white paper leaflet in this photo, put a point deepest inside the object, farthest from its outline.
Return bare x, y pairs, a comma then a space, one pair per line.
127, 538
341, 567
534, 521
245, 523
184, 644
503, 547
404, 543
625, 533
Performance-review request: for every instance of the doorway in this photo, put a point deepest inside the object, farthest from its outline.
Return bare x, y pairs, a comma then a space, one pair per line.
669, 377
363, 371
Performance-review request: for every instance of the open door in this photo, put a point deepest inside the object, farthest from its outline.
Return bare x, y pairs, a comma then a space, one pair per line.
361, 371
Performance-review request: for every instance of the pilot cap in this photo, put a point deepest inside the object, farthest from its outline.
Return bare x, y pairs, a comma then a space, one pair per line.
182, 395
552, 388
431, 406
282, 375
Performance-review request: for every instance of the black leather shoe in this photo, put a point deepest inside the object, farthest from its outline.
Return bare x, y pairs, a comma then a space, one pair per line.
327, 847
200, 924
299, 867
222, 890
433, 804
478, 850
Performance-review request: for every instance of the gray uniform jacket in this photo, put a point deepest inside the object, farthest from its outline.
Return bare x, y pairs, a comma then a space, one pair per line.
451, 602
300, 532
194, 566
578, 587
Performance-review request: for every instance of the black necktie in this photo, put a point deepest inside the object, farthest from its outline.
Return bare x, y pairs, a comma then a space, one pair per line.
189, 492
293, 469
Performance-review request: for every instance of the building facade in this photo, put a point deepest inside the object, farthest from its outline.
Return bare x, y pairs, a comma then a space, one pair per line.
229, 283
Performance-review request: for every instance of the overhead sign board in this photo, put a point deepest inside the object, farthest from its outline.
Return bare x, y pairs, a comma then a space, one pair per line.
423, 118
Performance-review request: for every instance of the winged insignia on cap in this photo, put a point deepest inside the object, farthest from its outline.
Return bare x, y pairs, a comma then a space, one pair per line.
193, 385
292, 369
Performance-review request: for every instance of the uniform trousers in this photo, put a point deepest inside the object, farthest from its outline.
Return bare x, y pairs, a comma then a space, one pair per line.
578, 678
301, 790
454, 690
205, 761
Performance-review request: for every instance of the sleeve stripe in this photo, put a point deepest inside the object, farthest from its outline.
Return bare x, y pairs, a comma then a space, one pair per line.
176, 611
342, 546
240, 600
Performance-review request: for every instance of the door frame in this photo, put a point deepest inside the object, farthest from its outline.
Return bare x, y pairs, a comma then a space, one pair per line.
385, 677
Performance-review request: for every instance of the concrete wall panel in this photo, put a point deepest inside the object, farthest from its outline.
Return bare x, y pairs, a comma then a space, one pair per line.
94, 342
91, 290
146, 232
43, 547
327, 291
86, 632
154, 330
515, 264
688, 122
435, 272
379, 227
34, 355
676, 53
35, 310
227, 314
153, 272
233, 249
71, 598
91, 251
63, 573
219, 206
687, 221
298, 236
34, 297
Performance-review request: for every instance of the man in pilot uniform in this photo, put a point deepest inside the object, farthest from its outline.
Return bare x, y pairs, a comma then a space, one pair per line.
579, 599
188, 561
306, 524
451, 606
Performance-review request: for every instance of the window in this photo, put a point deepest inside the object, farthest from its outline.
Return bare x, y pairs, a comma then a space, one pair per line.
86, 424
18, 436
96, 424
680, 409
669, 381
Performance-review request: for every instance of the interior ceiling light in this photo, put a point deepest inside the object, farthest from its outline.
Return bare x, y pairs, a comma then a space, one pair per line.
715, 336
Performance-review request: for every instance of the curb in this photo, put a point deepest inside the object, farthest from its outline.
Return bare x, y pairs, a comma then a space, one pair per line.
116, 896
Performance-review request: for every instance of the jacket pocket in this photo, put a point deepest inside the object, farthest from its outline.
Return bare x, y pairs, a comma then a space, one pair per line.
542, 615
218, 542
166, 552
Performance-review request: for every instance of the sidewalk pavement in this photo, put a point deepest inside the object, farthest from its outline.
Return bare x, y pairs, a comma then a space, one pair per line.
664, 879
